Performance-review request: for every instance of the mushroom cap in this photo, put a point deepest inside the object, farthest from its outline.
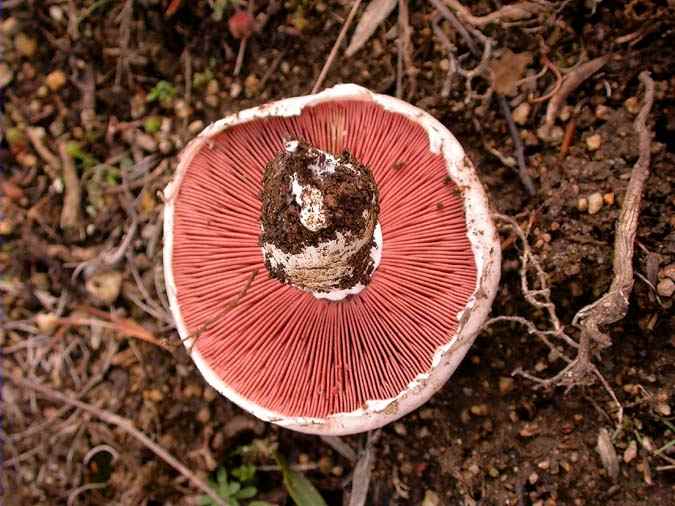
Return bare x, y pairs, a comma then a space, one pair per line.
312, 365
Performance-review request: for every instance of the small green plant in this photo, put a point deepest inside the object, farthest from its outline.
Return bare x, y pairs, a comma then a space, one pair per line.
201, 79
233, 491
75, 150
163, 92
152, 124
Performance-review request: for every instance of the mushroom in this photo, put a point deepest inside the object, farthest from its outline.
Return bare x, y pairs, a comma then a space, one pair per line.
263, 205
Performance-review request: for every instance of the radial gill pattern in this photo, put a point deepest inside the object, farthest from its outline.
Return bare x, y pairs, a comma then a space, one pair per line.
280, 347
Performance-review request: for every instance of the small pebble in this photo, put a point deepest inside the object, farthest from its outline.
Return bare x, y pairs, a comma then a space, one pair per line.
146, 142
632, 105
505, 385
400, 429
565, 113
165, 147
6, 75
427, 414
608, 198
203, 415
593, 142
552, 135
6, 227
630, 453
595, 202
235, 89
668, 272
602, 112
25, 45
9, 26
533, 478
182, 109
251, 85
665, 287
582, 203
104, 287
153, 394
196, 126
663, 409
55, 80
46, 322
521, 113
529, 430
56, 13
479, 409
210, 394
423, 432
192, 390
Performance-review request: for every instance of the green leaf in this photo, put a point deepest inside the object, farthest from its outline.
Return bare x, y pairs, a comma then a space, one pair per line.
259, 503
299, 487
205, 500
247, 493
244, 473
233, 488
222, 475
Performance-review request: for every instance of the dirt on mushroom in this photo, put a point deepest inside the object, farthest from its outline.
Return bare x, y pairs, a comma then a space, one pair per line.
487, 437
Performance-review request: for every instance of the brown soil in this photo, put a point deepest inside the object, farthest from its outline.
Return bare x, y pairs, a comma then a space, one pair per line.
487, 437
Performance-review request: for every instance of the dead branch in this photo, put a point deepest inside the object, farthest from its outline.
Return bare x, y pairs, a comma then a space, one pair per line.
406, 50
334, 50
556, 86
613, 306
568, 85
36, 137
376, 12
338, 444
518, 146
72, 194
515, 12
125, 425
362, 470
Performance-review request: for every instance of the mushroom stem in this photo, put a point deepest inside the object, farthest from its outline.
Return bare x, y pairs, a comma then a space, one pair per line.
319, 221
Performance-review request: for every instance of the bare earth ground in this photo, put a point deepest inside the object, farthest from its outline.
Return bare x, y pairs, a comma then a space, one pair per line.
101, 333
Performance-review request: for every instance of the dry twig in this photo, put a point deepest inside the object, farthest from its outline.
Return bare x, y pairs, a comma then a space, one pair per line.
125, 425
518, 145
514, 12
362, 470
72, 194
612, 306
336, 46
376, 12
568, 85
36, 137
405, 51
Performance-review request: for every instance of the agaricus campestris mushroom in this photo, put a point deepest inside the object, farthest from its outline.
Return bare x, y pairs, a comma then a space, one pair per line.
329, 259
